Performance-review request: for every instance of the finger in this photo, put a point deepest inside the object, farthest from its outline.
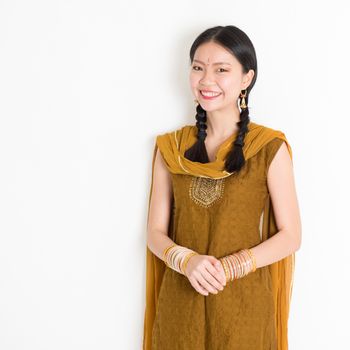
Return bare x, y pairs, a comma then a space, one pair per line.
215, 277
198, 287
221, 270
218, 266
221, 273
212, 280
207, 285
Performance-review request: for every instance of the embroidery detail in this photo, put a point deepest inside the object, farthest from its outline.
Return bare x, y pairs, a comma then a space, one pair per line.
206, 191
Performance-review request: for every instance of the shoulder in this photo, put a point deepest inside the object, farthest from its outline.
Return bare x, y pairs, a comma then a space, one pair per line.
168, 141
273, 137
274, 144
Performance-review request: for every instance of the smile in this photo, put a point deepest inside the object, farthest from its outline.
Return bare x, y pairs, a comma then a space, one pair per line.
210, 95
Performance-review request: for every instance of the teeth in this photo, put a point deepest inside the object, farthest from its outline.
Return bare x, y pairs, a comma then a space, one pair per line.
210, 94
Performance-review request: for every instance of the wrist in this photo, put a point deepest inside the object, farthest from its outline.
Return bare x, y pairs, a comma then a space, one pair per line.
239, 264
176, 257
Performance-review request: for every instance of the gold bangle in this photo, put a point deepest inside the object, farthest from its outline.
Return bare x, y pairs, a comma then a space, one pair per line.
253, 259
227, 274
187, 258
166, 251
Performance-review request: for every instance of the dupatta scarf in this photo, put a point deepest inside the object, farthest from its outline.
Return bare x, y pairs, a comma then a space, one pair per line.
172, 146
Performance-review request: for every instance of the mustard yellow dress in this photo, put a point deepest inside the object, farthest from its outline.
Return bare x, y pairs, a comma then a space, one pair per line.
218, 217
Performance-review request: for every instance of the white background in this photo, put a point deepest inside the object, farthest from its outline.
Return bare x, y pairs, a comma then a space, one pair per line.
85, 86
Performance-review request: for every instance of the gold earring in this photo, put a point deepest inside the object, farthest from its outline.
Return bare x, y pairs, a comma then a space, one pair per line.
242, 96
195, 100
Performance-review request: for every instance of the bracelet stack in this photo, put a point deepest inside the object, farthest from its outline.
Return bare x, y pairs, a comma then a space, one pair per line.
239, 264
176, 257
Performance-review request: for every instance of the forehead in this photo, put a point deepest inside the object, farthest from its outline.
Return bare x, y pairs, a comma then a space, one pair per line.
212, 53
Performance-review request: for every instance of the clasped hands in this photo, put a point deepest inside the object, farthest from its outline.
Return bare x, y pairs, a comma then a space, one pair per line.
206, 274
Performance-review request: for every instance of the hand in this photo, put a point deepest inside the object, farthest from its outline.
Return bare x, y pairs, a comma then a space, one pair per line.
206, 274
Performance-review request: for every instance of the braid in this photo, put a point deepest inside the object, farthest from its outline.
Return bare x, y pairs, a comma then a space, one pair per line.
198, 152
235, 159
201, 123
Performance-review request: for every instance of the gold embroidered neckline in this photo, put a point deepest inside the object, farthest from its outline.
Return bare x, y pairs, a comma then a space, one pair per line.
206, 191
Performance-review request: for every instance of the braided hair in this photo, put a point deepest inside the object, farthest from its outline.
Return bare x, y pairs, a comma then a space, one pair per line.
235, 159
236, 41
198, 151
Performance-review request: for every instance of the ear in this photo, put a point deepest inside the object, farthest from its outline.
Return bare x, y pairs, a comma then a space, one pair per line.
248, 77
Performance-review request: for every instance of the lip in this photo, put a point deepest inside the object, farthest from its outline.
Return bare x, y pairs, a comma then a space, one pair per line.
209, 97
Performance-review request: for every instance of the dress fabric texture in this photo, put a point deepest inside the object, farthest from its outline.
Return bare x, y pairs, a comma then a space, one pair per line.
219, 215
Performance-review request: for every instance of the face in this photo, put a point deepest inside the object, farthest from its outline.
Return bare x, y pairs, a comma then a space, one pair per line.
214, 69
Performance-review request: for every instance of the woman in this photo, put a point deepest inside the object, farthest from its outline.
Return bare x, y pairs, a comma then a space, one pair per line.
223, 220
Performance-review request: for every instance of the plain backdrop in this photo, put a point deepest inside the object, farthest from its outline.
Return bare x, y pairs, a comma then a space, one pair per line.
85, 86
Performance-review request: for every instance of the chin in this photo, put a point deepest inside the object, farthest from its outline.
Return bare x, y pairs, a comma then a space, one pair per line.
208, 107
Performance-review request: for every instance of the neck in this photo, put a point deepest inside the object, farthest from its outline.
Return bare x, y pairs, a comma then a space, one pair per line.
222, 124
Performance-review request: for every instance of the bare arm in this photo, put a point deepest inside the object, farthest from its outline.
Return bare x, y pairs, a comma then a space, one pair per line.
200, 270
280, 179
160, 208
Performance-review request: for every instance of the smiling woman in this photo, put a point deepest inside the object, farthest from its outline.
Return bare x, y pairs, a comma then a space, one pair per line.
222, 209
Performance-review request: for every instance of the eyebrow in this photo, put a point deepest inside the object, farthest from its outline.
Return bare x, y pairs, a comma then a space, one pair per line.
214, 64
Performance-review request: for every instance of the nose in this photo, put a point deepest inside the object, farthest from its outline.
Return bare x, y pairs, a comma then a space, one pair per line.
207, 79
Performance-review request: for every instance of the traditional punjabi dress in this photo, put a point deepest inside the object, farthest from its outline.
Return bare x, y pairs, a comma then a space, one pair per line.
217, 213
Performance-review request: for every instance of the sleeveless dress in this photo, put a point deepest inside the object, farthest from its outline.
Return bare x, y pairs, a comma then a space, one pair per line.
218, 217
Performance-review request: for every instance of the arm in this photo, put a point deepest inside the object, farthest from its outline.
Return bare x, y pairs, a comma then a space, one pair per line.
200, 270
287, 240
160, 207
280, 179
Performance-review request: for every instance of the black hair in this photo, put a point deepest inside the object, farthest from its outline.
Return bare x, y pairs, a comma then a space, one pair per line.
239, 44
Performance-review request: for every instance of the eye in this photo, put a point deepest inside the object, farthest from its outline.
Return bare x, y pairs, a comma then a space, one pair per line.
199, 68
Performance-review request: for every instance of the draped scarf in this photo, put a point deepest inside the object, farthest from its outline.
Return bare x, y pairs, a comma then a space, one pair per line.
172, 146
